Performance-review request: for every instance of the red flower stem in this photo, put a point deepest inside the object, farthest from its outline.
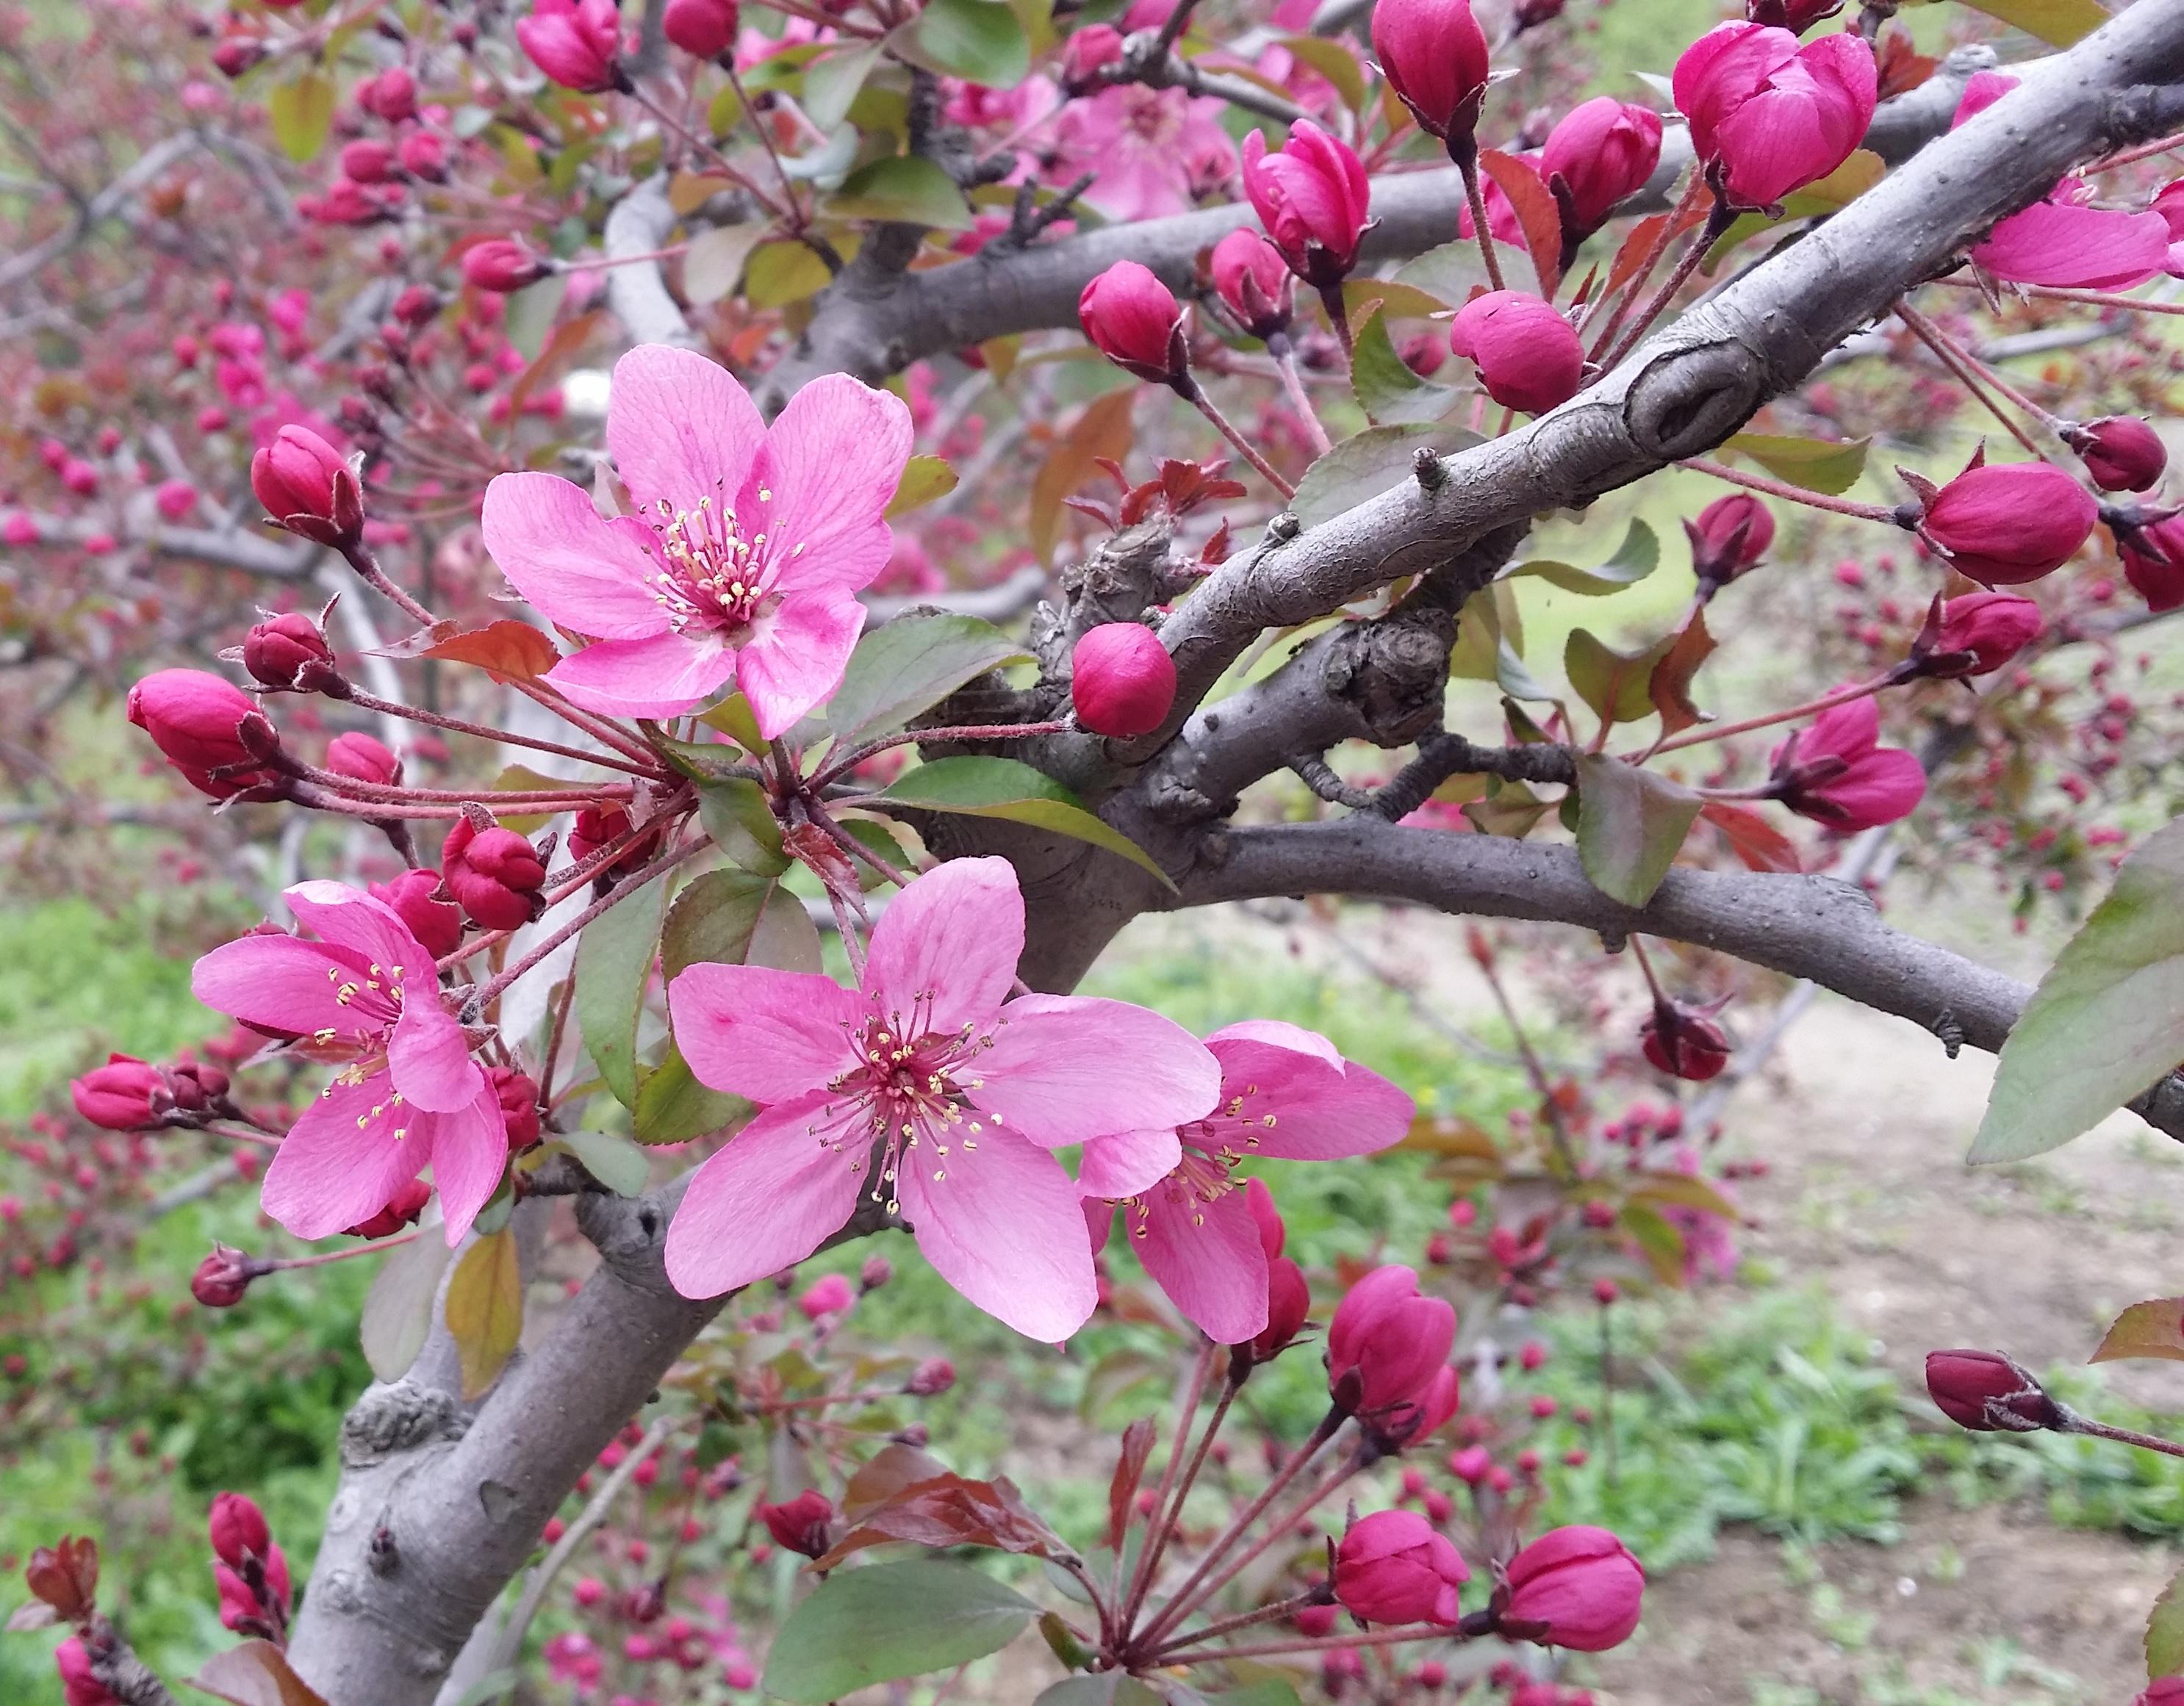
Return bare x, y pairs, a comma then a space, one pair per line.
797, 222
1475, 194
1204, 404
2144, 150
309, 795
350, 1254
1661, 240
259, 1138
1792, 494
704, 146
1338, 316
2096, 299
614, 897
1969, 375
1700, 240
2122, 1436
1228, 1391
368, 570
574, 797
836, 767
1245, 1620
601, 263
1179, 1604
1327, 1644
1535, 1068
599, 728
1301, 400
577, 877
1645, 965
1275, 1531
1826, 701
455, 725
1156, 1539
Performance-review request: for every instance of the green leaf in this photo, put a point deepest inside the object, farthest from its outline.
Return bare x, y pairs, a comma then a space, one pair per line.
522, 779
614, 964
890, 1620
613, 1160
979, 40
485, 1309
832, 80
735, 813
1630, 824
1003, 788
924, 479
1635, 559
672, 1107
2057, 22
2108, 1019
713, 265
883, 841
781, 273
909, 665
734, 718
702, 761
2164, 1632
301, 112
1112, 1688
1818, 464
398, 1309
731, 918
1387, 388
1367, 464
907, 188
1333, 61
1615, 684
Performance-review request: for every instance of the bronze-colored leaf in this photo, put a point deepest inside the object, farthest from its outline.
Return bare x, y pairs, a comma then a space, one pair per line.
950, 1510
255, 1673
507, 650
1129, 1469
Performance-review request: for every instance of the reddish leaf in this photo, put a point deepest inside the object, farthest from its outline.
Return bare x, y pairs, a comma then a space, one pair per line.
507, 650
1535, 212
2153, 1329
949, 1510
891, 1469
1639, 243
1102, 430
1669, 685
561, 349
66, 1577
255, 1673
1902, 68
1751, 838
1129, 1469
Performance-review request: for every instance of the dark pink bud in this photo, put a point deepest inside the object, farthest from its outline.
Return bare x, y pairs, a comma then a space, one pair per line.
1254, 282
125, 1095
176, 500
1797, 16
519, 1105
192, 718
289, 652
392, 95
931, 1377
1385, 1345
1121, 680
1470, 1466
800, 1525
1729, 537
1135, 320
2153, 553
1768, 116
574, 42
829, 1296
1433, 55
2122, 452
238, 54
494, 875
418, 305
2162, 1691
1988, 1393
1604, 151
402, 1210
1684, 1042
1577, 1587
1090, 50
702, 27
1392, 1567
1977, 634
437, 925
1314, 199
598, 827
2006, 525
308, 488
1835, 771
365, 760
424, 154
1289, 1302
876, 1272
238, 1531
1528, 356
368, 160
502, 264
223, 1277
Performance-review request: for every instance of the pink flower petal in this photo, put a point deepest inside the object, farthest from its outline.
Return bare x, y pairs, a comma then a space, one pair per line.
1300, 1108
576, 567
1067, 1069
470, 1151
766, 1035
349, 917
1002, 1225
681, 428
780, 1188
430, 1057
1280, 1034
1127, 1163
1099, 1221
1207, 1257
280, 983
662, 677
341, 1162
836, 454
951, 939
796, 656
2065, 247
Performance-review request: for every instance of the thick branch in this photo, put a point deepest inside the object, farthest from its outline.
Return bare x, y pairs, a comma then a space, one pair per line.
637, 224
1805, 927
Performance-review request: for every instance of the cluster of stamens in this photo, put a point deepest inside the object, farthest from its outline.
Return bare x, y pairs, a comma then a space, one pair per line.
714, 579
1210, 1150
912, 1085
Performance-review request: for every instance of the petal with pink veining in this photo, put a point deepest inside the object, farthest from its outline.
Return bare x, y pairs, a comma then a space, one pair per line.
1207, 1257
795, 656
781, 1187
1280, 1034
662, 677
766, 1035
280, 984
835, 458
469, 1150
681, 428
1066, 1069
349, 917
1300, 1108
1127, 1163
341, 1162
430, 1057
575, 566
1002, 1225
948, 945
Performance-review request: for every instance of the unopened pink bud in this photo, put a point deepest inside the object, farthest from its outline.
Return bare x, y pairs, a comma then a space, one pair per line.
1121, 680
